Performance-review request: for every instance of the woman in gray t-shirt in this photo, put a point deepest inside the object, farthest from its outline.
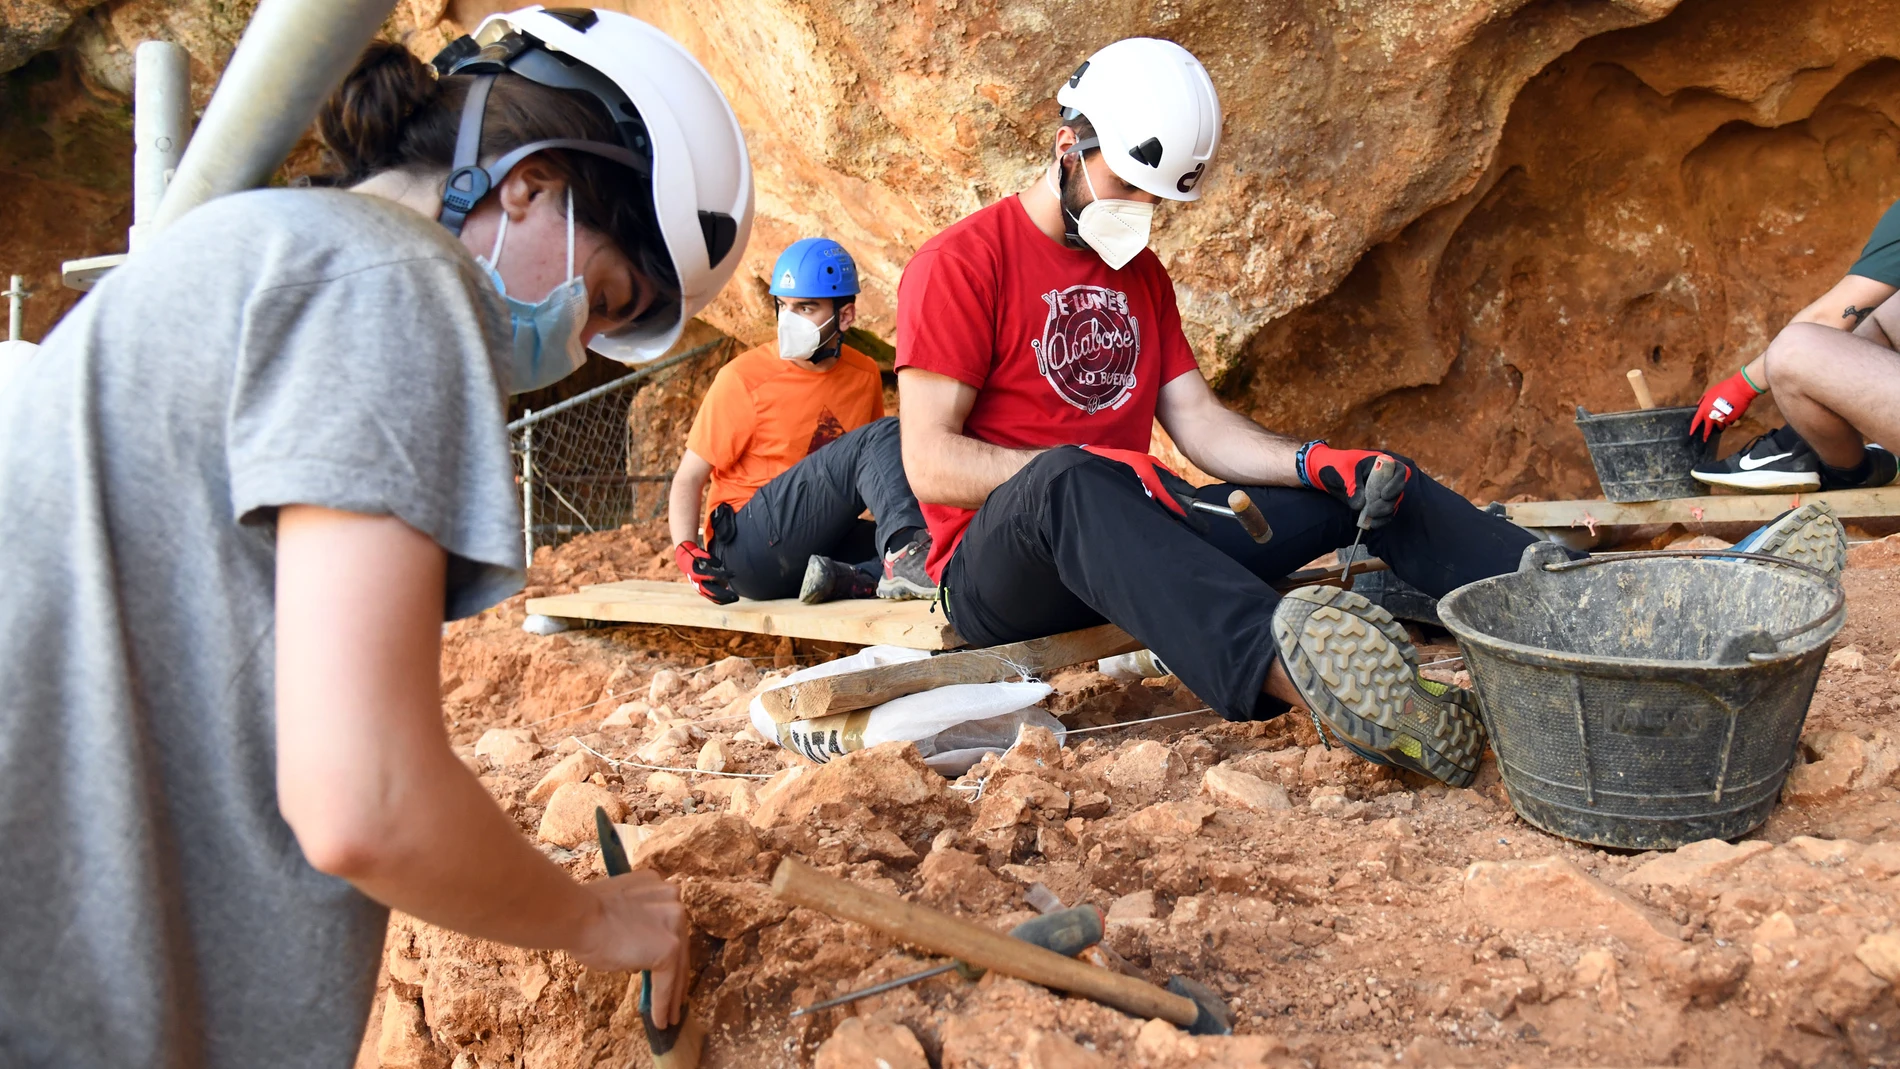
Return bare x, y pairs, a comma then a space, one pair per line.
241, 486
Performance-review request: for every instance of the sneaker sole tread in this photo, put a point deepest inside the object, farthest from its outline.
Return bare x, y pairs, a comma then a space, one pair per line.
1355, 662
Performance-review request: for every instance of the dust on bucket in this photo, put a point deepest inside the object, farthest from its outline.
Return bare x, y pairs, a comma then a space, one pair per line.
1645, 455
1645, 700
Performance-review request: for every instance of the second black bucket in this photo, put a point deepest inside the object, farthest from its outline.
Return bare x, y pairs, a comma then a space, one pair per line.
1645, 455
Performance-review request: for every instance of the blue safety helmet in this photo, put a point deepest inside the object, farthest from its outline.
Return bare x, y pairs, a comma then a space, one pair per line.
815, 267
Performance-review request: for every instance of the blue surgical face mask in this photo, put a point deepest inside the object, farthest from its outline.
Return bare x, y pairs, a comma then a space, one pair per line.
547, 345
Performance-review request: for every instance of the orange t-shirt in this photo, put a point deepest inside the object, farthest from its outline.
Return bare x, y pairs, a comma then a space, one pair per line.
763, 415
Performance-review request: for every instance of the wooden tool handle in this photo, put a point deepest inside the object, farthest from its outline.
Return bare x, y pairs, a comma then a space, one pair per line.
1641, 389
922, 926
1250, 518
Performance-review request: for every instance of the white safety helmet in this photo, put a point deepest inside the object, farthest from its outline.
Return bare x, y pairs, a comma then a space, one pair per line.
1155, 113
676, 129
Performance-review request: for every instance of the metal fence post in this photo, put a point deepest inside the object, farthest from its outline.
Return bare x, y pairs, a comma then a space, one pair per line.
527, 486
16, 309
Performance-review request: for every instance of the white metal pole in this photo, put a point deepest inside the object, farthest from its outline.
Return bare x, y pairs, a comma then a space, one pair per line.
16, 309
527, 487
291, 57
161, 123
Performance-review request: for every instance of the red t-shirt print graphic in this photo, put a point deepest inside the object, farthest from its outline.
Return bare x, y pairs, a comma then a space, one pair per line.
1089, 346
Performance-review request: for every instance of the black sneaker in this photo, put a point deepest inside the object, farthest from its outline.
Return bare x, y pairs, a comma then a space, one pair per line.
904, 574
1881, 469
1356, 671
1773, 463
830, 580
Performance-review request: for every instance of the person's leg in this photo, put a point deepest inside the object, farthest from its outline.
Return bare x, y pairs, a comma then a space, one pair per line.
1072, 540
1437, 541
882, 485
809, 510
1838, 390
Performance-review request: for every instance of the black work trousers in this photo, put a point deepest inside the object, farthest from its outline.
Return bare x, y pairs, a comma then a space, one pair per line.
1073, 540
814, 508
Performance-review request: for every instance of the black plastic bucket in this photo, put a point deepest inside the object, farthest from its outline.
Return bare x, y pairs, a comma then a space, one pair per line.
1645, 700
1645, 455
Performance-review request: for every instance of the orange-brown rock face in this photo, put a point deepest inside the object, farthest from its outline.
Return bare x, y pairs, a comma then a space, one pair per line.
1436, 226
1663, 197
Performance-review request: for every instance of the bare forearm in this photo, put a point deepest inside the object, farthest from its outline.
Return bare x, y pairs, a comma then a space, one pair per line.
455, 860
1235, 449
682, 507
954, 469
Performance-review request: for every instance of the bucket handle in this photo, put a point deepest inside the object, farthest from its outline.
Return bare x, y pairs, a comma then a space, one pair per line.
1747, 644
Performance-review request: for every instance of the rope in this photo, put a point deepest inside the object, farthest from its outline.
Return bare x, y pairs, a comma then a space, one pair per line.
670, 768
1144, 720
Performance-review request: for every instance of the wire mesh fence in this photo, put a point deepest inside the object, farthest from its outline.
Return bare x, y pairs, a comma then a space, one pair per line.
576, 458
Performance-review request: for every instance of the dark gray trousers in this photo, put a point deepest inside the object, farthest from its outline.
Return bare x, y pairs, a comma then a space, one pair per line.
813, 508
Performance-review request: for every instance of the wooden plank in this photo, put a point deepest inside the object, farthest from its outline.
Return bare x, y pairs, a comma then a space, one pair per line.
911, 624
1720, 508
848, 691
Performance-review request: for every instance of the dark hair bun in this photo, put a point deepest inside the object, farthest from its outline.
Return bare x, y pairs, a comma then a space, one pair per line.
362, 124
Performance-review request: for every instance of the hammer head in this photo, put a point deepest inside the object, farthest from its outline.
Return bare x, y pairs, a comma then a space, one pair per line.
1214, 1019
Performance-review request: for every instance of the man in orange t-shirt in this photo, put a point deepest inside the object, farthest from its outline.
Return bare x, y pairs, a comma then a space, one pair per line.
793, 440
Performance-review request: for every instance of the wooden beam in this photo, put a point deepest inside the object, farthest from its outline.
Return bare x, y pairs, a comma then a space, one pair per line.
1720, 508
916, 625
848, 691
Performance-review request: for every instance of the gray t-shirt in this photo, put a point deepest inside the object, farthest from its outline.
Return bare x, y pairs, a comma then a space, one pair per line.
275, 347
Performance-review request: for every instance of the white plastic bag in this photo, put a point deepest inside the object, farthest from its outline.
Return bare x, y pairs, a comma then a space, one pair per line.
952, 727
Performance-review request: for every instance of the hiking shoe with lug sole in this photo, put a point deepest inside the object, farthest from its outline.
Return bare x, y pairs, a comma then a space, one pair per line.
1356, 669
1776, 462
904, 574
831, 580
1810, 535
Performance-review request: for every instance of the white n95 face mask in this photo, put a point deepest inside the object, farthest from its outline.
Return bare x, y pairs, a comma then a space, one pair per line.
1116, 229
799, 337
547, 345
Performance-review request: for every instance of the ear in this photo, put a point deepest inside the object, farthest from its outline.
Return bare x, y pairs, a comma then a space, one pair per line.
529, 180
847, 315
1065, 140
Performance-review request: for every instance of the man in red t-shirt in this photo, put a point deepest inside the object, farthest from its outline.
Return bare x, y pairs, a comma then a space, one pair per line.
1041, 324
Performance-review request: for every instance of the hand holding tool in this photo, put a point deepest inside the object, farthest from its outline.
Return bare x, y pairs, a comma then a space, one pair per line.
1349, 476
707, 572
1723, 405
1184, 1002
1154, 477
1067, 932
677, 1047
1640, 387
1240, 508
1385, 480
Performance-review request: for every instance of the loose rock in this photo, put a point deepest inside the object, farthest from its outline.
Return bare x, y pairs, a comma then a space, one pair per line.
508, 746
569, 820
1231, 787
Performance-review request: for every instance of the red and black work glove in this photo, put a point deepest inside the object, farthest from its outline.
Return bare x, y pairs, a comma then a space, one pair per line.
1722, 407
706, 571
1343, 474
1167, 489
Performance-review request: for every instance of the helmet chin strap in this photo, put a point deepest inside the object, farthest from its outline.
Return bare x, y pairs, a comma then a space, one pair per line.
1070, 236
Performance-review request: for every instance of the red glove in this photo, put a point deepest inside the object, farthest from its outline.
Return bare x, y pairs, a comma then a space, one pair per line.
1150, 472
1343, 473
706, 571
1722, 407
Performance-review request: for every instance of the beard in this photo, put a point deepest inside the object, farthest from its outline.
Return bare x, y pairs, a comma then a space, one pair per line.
1071, 192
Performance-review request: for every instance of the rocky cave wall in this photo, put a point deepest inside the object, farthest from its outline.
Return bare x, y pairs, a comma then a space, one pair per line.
1429, 217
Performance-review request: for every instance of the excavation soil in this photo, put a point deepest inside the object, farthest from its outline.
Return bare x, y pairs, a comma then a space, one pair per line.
1351, 916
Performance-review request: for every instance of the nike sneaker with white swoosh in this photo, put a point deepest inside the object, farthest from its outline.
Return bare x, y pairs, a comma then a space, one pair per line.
1776, 462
